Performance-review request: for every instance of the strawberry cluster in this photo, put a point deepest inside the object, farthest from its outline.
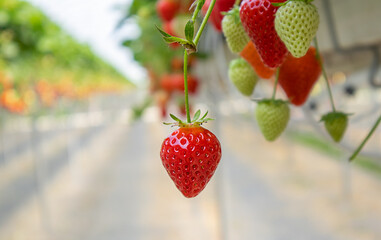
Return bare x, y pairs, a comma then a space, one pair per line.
274, 36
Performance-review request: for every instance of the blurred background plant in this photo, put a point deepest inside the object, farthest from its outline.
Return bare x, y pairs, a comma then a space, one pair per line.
40, 63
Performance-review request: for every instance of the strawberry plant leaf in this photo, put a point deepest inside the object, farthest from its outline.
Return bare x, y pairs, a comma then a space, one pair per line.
177, 40
164, 34
189, 30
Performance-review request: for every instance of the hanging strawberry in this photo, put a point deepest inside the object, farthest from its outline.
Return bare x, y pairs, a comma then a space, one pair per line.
257, 17
297, 76
296, 23
242, 76
272, 117
235, 34
335, 123
191, 155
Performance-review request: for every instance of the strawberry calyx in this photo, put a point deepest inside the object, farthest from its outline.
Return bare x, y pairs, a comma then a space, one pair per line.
280, 4
336, 124
331, 116
233, 12
196, 121
272, 101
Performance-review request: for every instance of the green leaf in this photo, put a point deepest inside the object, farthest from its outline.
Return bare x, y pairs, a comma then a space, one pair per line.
196, 115
176, 39
189, 30
164, 34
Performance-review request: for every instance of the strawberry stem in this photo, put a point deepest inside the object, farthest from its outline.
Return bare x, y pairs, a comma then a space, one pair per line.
186, 86
275, 84
195, 41
324, 74
197, 10
204, 22
237, 2
357, 151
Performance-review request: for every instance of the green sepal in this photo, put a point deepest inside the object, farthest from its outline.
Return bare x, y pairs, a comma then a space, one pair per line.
196, 115
174, 118
280, 4
233, 12
196, 120
334, 115
273, 101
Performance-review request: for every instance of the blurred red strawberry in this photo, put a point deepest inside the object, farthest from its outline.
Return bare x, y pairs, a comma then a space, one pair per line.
175, 82
297, 76
167, 9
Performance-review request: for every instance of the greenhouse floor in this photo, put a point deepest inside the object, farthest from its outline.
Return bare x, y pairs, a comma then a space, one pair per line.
106, 182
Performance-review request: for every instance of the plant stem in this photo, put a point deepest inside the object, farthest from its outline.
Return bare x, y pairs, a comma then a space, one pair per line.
324, 74
237, 2
275, 84
186, 86
354, 155
197, 10
204, 21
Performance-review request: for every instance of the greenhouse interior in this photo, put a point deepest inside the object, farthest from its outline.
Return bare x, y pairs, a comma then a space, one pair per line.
190, 119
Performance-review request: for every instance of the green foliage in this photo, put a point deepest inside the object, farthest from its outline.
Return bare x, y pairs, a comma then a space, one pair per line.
157, 54
32, 46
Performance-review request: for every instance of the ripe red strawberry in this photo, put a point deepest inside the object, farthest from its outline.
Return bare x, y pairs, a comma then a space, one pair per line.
191, 155
250, 54
297, 76
167, 9
257, 18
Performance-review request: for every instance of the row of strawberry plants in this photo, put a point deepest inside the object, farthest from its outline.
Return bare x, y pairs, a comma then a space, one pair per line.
40, 63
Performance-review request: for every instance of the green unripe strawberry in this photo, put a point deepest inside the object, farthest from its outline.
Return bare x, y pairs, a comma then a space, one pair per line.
296, 23
272, 117
335, 123
235, 34
242, 76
